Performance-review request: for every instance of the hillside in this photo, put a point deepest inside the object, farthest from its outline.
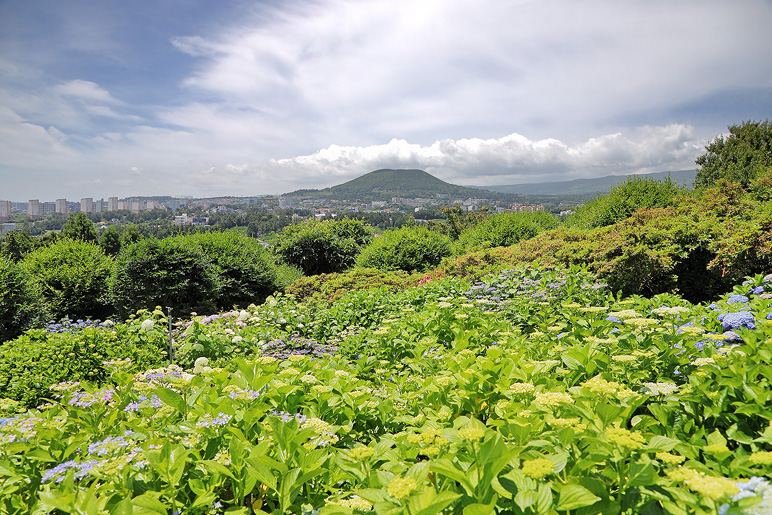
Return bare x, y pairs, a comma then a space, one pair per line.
385, 184
587, 186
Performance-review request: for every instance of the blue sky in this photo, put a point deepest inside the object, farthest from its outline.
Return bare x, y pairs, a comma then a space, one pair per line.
195, 97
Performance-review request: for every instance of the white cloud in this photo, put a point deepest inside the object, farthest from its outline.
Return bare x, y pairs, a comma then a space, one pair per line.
84, 89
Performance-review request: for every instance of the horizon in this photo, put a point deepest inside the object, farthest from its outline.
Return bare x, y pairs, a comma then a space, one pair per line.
192, 98
277, 195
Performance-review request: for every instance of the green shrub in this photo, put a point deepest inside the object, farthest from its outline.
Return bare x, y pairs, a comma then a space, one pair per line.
30, 364
286, 275
246, 270
79, 227
698, 247
623, 199
173, 272
21, 303
17, 244
73, 277
322, 247
504, 229
741, 157
409, 248
330, 287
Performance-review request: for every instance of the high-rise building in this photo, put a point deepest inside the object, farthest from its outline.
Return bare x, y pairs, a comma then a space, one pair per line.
87, 205
61, 206
124, 205
46, 208
99, 205
112, 204
5, 209
136, 206
33, 208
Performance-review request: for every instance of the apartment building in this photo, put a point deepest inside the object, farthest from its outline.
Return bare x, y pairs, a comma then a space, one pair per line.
33, 208
87, 205
5, 209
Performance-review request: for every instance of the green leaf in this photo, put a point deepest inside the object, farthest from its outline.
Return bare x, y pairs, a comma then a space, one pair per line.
124, 507
575, 496
429, 503
661, 444
148, 504
172, 398
480, 509
641, 474
448, 469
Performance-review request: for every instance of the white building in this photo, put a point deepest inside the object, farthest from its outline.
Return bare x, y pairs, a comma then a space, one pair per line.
5, 209
87, 205
33, 208
61, 206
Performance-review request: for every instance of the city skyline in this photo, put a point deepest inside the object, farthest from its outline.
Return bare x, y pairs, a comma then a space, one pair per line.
228, 98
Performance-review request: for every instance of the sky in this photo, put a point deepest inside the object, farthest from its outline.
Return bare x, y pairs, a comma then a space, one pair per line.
104, 98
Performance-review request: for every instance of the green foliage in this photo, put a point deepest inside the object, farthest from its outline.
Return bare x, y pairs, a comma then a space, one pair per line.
741, 157
246, 272
17, 244
73, 276
30, 364
504, 229
457, 221
21, 303
319, 247
79, 227
110, 241
534, 391
130, 234
328, 288
623, 199
409, 248
169, 273
698, 247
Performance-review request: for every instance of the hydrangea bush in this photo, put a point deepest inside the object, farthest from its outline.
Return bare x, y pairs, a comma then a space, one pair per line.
534, 391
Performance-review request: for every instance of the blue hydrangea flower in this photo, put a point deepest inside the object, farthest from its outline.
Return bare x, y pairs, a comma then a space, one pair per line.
714, 307
613, 319
736, 321
758, 290
737, 299
769, 316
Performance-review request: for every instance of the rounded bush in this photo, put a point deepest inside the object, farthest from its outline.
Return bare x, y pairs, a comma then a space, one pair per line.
30, 364
246, 271
623, 200
505, 229
73, 277
410, 248
21, 303
323, 247
173, 272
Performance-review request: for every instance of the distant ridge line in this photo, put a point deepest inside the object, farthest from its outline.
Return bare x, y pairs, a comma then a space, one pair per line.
587, 186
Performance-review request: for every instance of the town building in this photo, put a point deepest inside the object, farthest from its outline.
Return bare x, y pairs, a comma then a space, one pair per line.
5, 209
87, 205
61, 206
33, 208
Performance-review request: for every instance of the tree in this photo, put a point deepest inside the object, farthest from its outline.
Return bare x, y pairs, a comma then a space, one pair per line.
110, 241
323, 247
246, 270
171, 272
21, 304
741, 157
79, 227
130, 234
73, 276
409, 248
17, 244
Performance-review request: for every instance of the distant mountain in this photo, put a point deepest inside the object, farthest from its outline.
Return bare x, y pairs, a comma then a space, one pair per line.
588, 186
385, 184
